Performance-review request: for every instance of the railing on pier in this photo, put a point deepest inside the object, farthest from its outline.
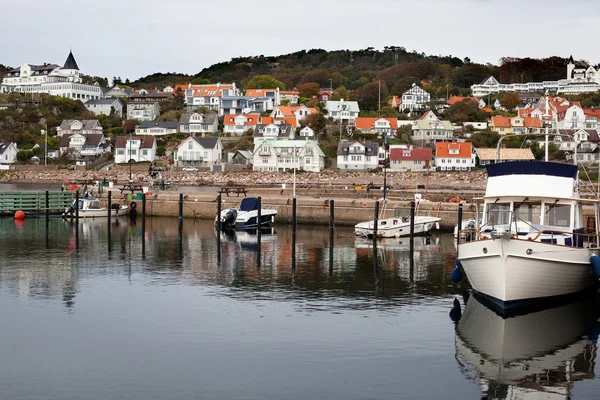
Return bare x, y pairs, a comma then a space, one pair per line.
35, 201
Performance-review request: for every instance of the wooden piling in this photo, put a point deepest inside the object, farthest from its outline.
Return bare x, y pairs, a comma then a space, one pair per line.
331, 234
144, 226
258, 233
109, 204
294, 205
412, 227
460, 217
219, 207
375, 220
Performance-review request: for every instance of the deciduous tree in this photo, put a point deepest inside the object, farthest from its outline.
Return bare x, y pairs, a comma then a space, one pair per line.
264, 82
510, 101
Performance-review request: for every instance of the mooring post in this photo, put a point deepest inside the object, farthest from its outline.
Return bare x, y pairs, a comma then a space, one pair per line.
77, 205
294, 204
375, 220
459, 226
144, 226
412, 227
258, 233
77, 220
180, 226
47, 204
331, 232
109, 204
180, 206
219, 207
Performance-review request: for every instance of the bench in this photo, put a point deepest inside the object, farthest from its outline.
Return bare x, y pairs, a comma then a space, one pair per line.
130, 187
234, 190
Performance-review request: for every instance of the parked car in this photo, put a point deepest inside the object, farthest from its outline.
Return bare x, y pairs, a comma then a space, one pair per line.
189, 169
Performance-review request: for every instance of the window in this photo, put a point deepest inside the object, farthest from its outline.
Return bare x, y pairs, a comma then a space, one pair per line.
265, 160
190, 145
307, 161
121, 152
206, 154
345, 158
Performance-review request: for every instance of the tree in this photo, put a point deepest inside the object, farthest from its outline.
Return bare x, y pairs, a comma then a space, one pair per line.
264, 82
340, 93
309, 90
510, 101
315, 121
368, 96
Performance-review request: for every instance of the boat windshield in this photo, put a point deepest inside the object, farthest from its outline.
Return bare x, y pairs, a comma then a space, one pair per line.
529, 212
558, 215
498, 214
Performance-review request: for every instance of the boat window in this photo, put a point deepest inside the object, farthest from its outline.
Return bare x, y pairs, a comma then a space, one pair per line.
558, 215
530, 212
498, 214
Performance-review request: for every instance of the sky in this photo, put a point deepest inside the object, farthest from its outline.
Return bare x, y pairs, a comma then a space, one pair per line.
135, 38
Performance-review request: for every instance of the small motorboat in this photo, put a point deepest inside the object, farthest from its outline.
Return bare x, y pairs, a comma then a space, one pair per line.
246, 216
91, 207
397, 227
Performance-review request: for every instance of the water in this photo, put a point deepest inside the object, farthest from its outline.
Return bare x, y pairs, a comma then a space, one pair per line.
178, 319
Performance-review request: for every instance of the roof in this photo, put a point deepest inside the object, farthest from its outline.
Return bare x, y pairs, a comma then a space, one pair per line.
87, 124
213, 89
371, 148
102, 101
499, 121
209, 118
90, 140
442, 149
244, 153
532, 122
487, 110
299, 144
410, 154
592, 112
4, 146
147, 141
285, 130
207, 142
505, 154
430, 124
593, 135
334, 105
160, 124
457, 99
369, 123
251, 119
259, 92
71, 63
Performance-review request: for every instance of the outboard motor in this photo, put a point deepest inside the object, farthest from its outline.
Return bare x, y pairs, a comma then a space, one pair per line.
230, 217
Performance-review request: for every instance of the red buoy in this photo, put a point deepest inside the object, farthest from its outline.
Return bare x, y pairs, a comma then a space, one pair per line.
19, 215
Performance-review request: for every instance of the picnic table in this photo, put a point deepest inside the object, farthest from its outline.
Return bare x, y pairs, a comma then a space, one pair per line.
233, 190
132, 187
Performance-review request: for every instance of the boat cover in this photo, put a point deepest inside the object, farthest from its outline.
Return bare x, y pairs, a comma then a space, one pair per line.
249, 204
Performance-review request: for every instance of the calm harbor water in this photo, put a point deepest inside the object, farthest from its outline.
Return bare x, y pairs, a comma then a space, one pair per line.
180, 317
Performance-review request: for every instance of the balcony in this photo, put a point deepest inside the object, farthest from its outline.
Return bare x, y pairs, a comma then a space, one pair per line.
264, 152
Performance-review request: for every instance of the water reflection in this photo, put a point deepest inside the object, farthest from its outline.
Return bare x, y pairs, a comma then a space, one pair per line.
537, 355
54, 265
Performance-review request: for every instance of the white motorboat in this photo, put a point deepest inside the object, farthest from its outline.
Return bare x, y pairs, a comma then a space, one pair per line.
246, 216
536, 355
91, 207
531, 242
397, 227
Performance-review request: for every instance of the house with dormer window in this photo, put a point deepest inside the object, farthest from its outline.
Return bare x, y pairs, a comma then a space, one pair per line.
143, 111
430, 129
274, 132
238, 124
380, 126
82, 127
136, 148
307, 132
199, 152
208, 95
8, 153
354, 155
283, 114
89, 145
347, 111
286, 155
198, 124
408, 158
454, 156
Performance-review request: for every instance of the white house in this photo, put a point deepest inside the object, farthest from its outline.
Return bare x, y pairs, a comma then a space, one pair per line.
136, 148
415, 99
454, 156
83, 127
104, 106
287, 155
283, 114
143, 111
429, 129
198, 151
8, 153
238, 124
208, 96
347, 111
381, 126
198, 124
89, 145
357, 155
65, 81
307, 132
157, 128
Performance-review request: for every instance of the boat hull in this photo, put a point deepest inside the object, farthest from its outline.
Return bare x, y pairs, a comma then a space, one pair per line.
395, 227
103, 213
515, 272
247, 219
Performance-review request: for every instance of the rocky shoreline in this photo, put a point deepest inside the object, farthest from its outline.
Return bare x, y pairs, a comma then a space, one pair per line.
472, 180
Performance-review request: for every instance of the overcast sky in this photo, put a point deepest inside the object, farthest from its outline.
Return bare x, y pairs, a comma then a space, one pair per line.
134, 38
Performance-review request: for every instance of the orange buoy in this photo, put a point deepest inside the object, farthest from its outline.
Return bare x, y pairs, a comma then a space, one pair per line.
19, 215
